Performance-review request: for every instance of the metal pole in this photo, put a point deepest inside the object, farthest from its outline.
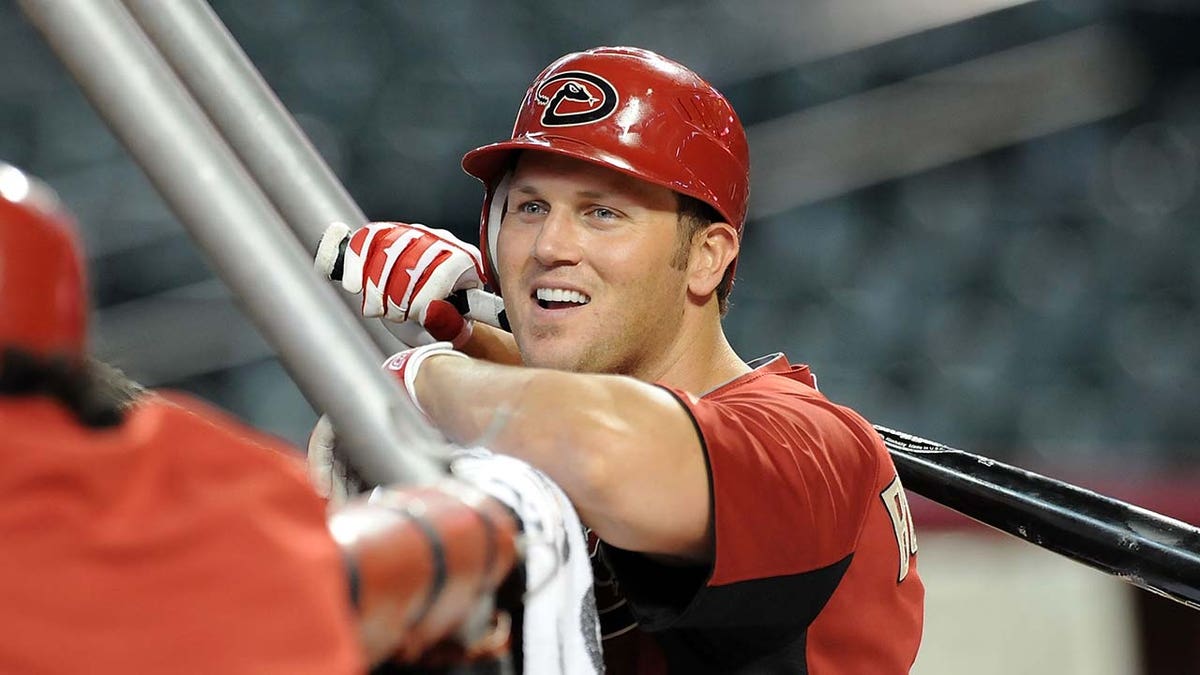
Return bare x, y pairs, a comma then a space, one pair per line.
255, 124
251, 248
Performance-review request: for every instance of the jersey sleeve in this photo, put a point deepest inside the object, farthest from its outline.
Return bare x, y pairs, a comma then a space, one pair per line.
791, 475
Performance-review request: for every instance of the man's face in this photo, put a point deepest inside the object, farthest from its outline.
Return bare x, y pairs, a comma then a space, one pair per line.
584, 258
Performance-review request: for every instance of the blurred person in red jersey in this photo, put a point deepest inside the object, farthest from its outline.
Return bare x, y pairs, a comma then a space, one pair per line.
143, 532
745, 523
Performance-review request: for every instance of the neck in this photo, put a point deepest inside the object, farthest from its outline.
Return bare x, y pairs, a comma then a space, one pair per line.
701, 360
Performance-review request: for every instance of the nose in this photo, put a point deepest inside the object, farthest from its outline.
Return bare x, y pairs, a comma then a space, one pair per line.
557, 242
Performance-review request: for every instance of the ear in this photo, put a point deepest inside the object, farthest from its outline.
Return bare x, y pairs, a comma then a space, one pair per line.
712, 252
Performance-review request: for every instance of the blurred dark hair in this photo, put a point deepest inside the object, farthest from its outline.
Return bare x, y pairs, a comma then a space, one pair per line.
95, 392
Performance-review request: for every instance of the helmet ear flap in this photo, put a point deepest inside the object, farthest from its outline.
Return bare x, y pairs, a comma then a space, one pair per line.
493, 215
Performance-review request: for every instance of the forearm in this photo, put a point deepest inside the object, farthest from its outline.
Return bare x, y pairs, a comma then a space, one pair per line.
477, 403
624, 451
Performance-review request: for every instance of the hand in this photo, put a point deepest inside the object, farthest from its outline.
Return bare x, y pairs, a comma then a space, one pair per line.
328, 474
332, 478
405, 272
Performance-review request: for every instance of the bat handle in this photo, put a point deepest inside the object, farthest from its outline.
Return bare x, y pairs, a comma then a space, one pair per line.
473, 303
478, 304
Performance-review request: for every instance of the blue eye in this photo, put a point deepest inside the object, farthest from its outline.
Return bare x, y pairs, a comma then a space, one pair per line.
604, 213
531, 207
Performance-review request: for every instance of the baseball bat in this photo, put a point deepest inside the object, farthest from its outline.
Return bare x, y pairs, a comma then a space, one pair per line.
1139, 546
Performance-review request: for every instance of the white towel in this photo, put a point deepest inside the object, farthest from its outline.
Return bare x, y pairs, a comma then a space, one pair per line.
561, 629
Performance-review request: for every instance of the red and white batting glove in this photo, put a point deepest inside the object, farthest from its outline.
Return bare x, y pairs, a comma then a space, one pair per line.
404, 365
405, 272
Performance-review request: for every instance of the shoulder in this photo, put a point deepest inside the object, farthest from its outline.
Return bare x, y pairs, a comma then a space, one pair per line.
784, 405
772, 382
775, 445
187, 411
204, 431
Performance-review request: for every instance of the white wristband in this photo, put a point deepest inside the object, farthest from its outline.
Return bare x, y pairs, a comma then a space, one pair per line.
407, 362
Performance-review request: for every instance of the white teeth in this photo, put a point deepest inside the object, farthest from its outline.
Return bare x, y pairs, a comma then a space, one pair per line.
561, 295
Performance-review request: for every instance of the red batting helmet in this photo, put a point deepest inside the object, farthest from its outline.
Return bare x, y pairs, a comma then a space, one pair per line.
43, 299
630, 110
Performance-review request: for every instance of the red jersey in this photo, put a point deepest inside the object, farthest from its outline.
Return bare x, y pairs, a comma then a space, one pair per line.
814, 565
178, 542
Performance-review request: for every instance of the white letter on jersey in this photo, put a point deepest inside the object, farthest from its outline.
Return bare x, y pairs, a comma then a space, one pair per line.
906, 538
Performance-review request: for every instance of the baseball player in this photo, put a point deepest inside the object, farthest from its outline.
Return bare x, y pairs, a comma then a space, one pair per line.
141, 532
745, 523
147, 532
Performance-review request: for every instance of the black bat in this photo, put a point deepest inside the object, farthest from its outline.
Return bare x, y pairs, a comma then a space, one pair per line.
1144, 548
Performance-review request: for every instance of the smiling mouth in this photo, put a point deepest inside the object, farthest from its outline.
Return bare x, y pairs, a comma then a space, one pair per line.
559, 298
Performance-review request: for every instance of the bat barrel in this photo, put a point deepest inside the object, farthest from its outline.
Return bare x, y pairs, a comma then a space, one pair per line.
1139, 546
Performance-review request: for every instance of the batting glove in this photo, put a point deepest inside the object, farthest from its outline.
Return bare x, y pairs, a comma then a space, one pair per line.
405, 272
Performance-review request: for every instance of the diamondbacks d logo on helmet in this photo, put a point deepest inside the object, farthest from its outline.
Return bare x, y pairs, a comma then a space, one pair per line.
575, 97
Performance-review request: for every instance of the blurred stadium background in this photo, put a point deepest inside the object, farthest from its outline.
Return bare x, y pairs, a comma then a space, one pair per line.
976, 219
